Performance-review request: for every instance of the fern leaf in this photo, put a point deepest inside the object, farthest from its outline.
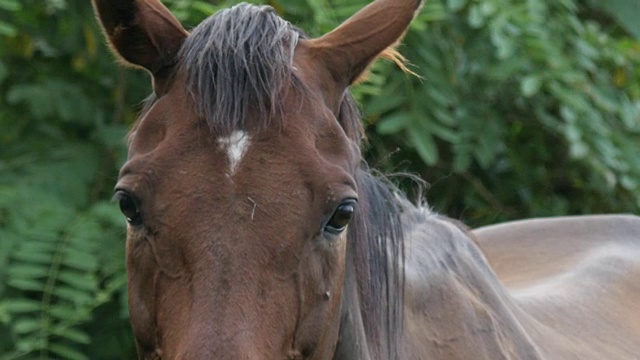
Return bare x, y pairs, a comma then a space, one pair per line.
26, 325
66, 352
18, 306
28, 271
25, 285
76, 336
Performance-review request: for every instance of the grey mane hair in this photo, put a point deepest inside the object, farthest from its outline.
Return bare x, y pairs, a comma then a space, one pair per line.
237, 61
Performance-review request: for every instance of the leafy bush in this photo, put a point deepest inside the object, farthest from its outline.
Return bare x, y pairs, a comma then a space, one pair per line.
526, 109
523, 108
63, 118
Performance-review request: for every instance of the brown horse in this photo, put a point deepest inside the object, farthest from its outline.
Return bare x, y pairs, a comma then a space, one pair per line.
255, 232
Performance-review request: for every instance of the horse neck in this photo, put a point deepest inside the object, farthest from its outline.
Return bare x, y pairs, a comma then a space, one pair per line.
455, 307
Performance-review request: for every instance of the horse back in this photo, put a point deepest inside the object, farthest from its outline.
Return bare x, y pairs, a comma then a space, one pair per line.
577, 279
524, 253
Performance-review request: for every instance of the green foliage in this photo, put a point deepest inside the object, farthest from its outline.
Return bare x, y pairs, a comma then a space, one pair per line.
533, 105
6, 28
523, 108
625, 11
63, 118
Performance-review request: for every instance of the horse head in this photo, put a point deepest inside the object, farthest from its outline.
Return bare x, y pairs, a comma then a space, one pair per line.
242, 181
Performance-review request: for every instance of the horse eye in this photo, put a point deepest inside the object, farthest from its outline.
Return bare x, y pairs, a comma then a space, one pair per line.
341, 217
129, 208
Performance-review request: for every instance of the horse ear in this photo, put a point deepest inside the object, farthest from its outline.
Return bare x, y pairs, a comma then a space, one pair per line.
143, 32
347, 51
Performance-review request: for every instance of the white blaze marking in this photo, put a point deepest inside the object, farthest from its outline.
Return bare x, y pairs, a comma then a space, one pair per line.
236, 146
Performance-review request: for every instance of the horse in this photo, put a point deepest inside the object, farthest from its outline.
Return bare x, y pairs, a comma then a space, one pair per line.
256, 231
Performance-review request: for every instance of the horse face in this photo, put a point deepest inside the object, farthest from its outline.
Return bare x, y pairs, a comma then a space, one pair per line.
236, 243
238, 207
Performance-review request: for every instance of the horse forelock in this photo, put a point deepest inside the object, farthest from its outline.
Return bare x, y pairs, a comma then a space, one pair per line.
237, 61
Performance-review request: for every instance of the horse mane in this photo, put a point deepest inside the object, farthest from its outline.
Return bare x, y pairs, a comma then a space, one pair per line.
376, 236
238, 61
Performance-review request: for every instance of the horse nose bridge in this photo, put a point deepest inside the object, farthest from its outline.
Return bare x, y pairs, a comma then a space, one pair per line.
246, 351
238, 317
236, 343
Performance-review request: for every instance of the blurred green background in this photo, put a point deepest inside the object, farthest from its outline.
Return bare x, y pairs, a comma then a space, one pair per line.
524, 108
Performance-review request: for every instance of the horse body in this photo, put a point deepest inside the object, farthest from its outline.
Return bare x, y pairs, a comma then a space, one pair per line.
577, 280
563, 288
255, 231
